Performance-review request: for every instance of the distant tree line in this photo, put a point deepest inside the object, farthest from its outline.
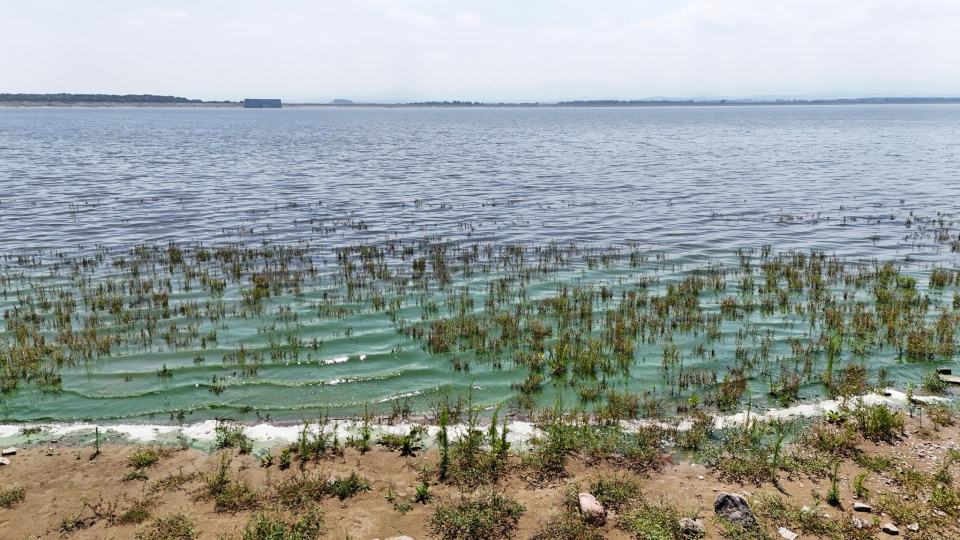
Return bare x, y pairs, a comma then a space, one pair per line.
96, 98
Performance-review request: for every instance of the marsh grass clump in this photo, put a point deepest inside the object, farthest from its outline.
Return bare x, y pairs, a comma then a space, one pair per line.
829, 437
488, 514
479, 457
228, 495
232, 435
315, 444
878, 422
699, 432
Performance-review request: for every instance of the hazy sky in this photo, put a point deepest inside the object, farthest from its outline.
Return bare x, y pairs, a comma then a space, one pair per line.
486, 50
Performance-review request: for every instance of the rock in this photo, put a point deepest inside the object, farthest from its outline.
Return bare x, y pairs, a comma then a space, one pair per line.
4, 461
944, 371
787, 533
692, 527
890, 529
913, 527
734, 508
862, 507
12, 451
861, 523
591, 508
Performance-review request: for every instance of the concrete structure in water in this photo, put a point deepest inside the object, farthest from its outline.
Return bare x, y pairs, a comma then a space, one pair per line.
261, 104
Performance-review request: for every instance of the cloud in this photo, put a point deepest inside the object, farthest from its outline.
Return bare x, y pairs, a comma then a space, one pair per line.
559, 34
413, 18
469, 19
170, 14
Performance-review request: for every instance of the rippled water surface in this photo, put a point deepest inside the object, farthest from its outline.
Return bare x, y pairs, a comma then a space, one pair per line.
681, 188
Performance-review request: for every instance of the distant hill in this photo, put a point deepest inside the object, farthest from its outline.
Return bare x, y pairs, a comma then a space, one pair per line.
668, 102
96, 98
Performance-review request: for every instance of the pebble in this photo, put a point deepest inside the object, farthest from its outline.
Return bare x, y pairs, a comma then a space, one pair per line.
9, 451
591, 508
4, 461
692, 527
861, 507
913, 527
787, 533
890, 529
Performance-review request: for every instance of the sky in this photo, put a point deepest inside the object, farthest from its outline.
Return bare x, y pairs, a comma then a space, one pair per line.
482, 50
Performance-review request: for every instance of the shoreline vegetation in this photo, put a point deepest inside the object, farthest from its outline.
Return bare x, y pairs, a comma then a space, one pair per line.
863, 468
149, 100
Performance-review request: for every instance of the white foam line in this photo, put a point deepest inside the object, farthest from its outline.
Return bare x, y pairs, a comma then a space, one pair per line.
519, 432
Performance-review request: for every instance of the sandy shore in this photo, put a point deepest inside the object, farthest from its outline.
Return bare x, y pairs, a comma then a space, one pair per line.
70, 491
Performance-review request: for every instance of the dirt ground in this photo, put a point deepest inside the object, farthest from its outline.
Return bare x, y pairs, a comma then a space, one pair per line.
72, 493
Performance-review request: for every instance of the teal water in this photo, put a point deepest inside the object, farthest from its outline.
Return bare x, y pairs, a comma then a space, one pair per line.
330, 209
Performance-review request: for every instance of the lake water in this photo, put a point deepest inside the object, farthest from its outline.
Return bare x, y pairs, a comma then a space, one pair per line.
679, 189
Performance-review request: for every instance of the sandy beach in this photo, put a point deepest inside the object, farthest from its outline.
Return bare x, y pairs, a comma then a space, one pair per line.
71, 491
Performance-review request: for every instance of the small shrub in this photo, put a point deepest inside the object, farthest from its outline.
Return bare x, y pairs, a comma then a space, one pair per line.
487, 514
879, 422
407, 444
285, 459
173, 481
300, 491
10, 497
933, 383
940, 414
699, 432
144, 456
653, 520
172, 527
858, 487
568, 526
231, 435
135, 474
423, 493
307, 525
343, 488
945, 499
874, 463
362, 443
833, 494
228, 495
830, 438
615, 492
137, 513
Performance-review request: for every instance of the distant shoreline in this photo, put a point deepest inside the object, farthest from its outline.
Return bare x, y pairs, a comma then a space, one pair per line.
479, 105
